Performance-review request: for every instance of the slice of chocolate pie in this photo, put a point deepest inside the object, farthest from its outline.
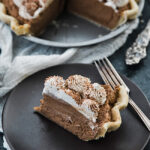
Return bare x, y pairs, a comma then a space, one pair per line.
32, 16
29, 16
87, 110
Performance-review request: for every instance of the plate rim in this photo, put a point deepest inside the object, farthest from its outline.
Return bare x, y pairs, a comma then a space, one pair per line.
74, 64
78, 44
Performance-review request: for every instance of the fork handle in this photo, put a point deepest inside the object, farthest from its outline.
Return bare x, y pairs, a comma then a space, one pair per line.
143, 117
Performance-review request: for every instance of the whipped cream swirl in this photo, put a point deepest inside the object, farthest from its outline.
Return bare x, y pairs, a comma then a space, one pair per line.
96, 92
83, 85
54, 87
115, 3
55, 81
78, 92
78, 83
23, 10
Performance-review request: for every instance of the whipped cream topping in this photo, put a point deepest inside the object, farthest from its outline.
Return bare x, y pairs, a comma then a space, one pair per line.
83, 85
120, 3
110, 3
88, 108
55, 81
78, 92
78, 83
23, 8
97, 92
115, 3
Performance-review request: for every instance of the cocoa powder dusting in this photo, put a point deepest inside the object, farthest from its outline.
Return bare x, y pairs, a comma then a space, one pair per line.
31, 6
75, 95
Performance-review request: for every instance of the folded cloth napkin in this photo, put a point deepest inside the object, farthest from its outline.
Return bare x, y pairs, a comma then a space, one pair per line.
20, 58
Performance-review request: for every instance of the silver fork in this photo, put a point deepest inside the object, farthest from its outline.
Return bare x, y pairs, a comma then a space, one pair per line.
112, 78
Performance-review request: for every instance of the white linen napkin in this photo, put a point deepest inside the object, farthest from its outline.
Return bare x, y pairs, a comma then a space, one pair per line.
20, 58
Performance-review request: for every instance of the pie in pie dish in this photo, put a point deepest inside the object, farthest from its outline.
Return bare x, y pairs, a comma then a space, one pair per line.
30, 17
87, 110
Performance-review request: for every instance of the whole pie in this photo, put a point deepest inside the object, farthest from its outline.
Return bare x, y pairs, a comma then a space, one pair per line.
32, 16
88, 110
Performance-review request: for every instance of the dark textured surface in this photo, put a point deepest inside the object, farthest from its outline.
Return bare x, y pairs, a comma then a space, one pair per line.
140, 74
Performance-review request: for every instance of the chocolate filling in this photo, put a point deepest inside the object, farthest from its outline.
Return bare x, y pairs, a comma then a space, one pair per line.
72, 120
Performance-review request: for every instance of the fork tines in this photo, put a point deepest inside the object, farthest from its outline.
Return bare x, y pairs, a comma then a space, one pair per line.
109, 73
112, 78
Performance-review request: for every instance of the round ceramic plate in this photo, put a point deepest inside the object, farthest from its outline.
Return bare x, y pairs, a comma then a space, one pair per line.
26, 130
72, 31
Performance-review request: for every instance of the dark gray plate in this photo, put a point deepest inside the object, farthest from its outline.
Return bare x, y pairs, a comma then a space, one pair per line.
72, 31
26, 130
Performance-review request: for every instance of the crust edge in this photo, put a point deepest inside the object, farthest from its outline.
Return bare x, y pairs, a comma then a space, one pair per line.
129, 14
14, 24
122, 102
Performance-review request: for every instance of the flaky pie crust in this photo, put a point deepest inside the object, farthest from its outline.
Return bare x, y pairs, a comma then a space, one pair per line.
25, 28
131, 13
121, 103
14, 24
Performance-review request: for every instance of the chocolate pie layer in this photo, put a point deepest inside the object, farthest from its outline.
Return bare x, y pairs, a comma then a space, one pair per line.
89, 116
